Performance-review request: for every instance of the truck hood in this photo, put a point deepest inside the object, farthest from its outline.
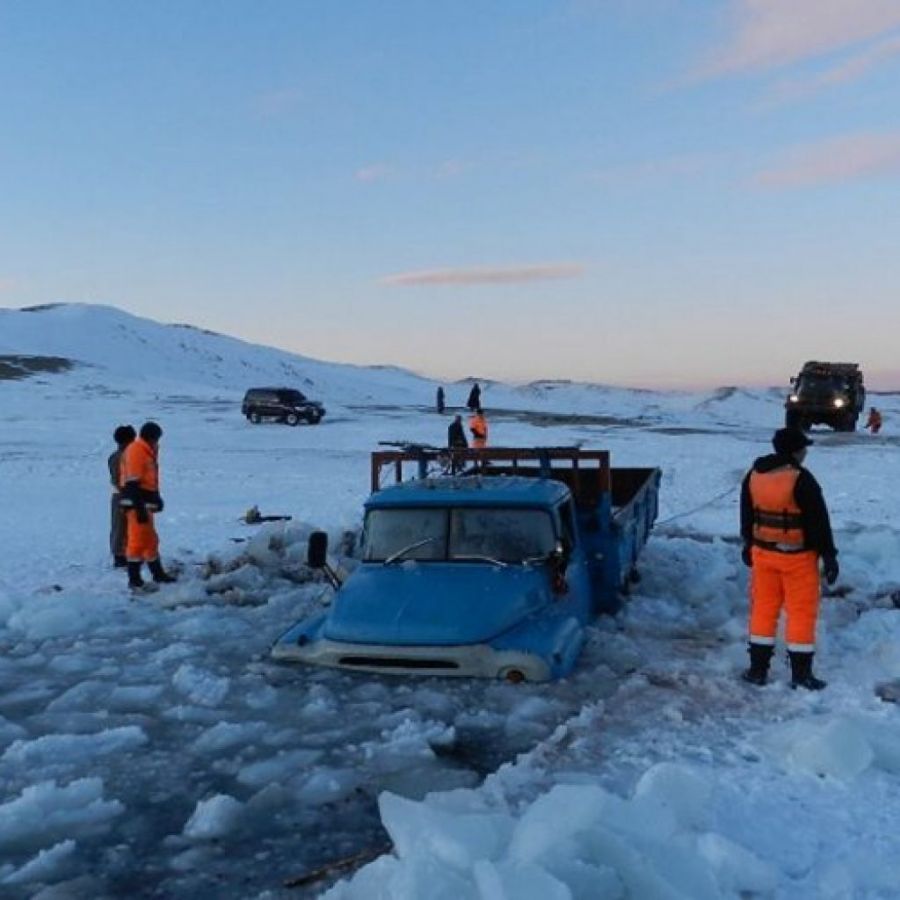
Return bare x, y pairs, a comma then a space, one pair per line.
434, 603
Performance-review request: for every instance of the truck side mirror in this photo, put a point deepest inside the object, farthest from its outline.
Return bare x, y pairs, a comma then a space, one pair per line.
317, 551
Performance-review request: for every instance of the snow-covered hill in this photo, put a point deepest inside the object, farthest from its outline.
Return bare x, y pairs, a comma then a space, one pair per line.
120, 351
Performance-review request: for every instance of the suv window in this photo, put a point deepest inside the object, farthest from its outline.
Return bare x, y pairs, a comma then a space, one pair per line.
291, 398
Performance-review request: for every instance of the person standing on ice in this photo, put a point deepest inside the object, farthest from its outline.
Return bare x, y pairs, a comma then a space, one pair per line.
873, 423
123, 436
474, 400
786, 530
439, 400
141, 498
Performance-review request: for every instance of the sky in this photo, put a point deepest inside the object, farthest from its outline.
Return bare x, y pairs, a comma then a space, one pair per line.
662, 193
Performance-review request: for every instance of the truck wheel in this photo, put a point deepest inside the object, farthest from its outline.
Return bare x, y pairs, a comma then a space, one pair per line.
312, 418
292, 419
254, 417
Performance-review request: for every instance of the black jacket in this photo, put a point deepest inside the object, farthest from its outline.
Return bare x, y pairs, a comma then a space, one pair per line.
456, 435
808, 497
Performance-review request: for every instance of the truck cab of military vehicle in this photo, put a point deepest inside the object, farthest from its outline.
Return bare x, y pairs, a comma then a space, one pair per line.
826, 393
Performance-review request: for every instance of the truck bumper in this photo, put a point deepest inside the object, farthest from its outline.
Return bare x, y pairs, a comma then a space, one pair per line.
467, 660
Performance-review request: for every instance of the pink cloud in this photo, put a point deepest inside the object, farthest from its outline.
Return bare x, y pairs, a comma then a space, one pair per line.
771, 33
7, 285
372, 173
838, 159
855, 67
486, 275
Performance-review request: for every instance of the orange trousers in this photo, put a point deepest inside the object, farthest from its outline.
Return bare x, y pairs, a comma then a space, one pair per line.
791, 581
142, 541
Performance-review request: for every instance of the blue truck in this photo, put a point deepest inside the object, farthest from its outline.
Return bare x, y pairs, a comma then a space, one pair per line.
491, 568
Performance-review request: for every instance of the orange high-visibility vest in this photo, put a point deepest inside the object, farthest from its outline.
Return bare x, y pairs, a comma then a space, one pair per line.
776, 517
478, 427
139, 464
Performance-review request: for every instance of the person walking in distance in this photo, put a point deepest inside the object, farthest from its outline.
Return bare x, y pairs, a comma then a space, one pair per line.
474, 401
141, 498
123, 436
786, 531
439, 400
478, 426
873, 422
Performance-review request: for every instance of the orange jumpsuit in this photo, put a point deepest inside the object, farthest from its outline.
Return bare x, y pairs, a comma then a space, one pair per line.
139, 464
479, 428
785, 572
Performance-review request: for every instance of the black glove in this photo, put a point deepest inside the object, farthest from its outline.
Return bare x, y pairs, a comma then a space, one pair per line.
831, 569
131, 493
746, 556
159, 503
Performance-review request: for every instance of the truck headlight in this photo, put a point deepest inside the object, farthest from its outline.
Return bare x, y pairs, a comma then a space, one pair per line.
793, 398
839, 402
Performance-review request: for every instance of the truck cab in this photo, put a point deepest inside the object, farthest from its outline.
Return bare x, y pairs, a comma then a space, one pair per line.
491, 573
826, 393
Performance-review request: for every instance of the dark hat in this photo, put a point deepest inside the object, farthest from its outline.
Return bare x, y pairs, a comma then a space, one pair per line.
789, 440
150, 431
124, 434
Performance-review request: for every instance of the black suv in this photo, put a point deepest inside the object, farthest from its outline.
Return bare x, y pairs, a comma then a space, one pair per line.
826, 392
284, 404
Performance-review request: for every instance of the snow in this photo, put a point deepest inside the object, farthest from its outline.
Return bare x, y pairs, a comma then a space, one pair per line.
149, 747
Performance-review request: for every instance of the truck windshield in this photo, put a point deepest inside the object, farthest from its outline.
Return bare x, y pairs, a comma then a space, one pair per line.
821, 384
506, 535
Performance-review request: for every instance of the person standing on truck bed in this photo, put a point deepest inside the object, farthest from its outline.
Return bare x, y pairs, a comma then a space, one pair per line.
456, 435
478, 426
785, 529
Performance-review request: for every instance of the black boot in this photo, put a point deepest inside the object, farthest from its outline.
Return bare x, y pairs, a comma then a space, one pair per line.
134, 575
119, 562
801, 671
160, 575
760, 657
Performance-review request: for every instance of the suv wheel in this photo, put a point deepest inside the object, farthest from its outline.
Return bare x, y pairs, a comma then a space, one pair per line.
254, 417
313, 418
292, 419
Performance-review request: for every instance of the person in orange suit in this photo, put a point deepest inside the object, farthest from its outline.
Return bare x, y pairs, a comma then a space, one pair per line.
139, 484
478, 427
873, 423
786, 531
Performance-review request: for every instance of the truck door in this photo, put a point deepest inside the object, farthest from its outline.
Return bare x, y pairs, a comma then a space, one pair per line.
577, 573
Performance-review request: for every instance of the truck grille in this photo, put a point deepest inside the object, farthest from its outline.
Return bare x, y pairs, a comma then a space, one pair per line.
390, 662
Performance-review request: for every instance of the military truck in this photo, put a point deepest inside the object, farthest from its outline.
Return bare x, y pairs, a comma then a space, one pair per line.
827, 393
